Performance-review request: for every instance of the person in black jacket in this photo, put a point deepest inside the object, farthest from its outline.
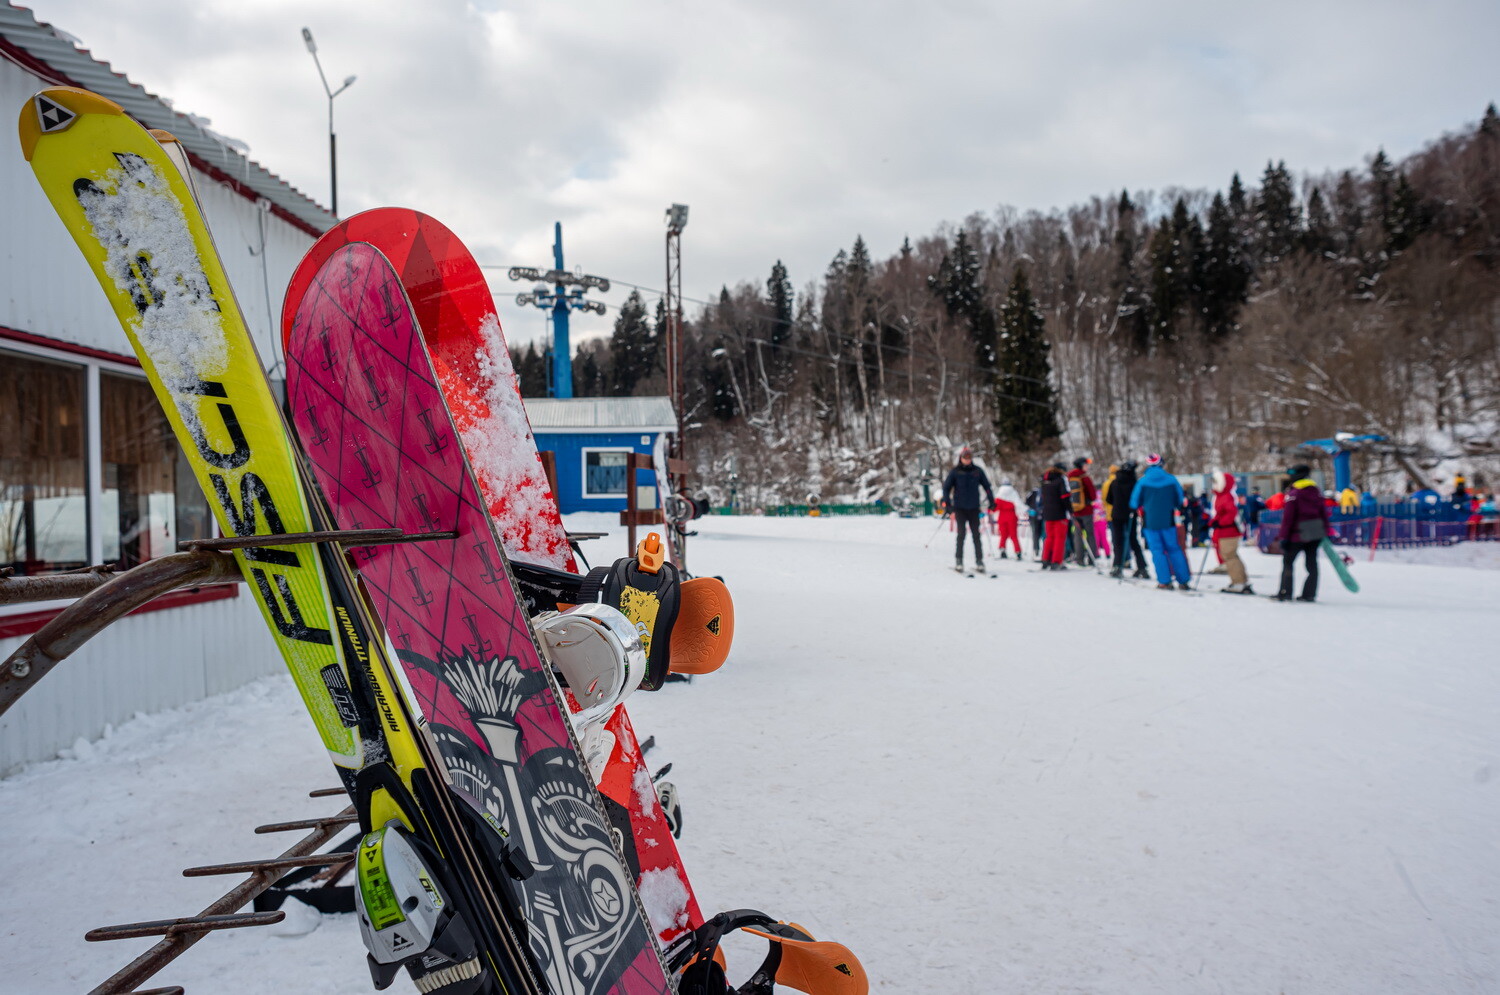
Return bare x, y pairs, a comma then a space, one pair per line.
1122, 522
1034, 520
961, 497
1055, 504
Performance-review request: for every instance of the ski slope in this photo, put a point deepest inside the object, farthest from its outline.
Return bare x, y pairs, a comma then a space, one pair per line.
1038, 783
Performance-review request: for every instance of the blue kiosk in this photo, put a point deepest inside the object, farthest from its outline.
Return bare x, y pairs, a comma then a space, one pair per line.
589, 437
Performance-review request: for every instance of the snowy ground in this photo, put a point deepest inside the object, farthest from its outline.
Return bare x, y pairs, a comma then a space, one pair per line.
1035, 783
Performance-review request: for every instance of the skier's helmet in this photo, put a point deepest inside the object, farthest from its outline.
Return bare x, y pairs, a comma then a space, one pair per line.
1298, 471
1082, 462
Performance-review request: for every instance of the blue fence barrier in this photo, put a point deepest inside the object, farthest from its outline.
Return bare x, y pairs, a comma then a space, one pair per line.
1393, 526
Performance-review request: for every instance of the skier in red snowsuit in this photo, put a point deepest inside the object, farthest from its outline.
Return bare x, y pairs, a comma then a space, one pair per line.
1007, 522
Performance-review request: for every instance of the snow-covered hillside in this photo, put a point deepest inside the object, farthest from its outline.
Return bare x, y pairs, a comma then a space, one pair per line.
1035, 783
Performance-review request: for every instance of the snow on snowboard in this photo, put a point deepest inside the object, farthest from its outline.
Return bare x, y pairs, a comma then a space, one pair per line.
385, 453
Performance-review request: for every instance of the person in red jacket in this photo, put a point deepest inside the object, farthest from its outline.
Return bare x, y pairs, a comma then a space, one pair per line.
1081, 495
1304, 526
1007, 520
1226, 533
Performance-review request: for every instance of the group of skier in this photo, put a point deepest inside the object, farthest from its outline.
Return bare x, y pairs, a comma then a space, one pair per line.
1072, 518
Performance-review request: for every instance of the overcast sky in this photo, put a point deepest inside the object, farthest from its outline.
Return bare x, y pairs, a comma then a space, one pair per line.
788, 126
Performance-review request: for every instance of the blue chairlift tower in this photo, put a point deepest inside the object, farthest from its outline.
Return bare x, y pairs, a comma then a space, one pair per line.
561, 302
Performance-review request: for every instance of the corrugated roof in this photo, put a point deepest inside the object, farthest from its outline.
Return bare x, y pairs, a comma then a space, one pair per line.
555, 413
72, 65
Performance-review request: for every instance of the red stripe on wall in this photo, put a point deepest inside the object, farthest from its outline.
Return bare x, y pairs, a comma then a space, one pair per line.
16, 335
28, 622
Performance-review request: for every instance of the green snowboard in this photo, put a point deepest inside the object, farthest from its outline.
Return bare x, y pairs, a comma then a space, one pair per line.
1340, 567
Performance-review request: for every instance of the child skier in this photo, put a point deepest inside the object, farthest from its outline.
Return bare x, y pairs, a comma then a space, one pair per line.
1007, 519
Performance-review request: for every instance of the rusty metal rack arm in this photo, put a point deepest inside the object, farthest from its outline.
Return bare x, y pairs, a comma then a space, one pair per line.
111, 600
183, 933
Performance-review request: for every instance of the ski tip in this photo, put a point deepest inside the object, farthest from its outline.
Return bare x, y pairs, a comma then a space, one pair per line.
56, 109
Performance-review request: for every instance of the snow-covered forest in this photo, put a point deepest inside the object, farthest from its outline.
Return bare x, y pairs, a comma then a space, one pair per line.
1211, 325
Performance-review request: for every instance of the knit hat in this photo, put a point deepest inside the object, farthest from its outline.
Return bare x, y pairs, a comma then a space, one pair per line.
966, 451
1154, 459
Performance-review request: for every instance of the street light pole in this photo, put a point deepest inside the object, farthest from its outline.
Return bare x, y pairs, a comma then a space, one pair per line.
333, 154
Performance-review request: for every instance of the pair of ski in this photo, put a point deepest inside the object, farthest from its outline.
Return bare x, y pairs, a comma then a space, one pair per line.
488, 863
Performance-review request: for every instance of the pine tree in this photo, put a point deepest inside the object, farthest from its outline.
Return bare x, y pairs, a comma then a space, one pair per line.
1025, 406
959, 286
1131, 315
1318, 239
1349, 211
1277, 215
1405, 220
781, 298
632, 347
1175, 281
1225, 273
1382, 187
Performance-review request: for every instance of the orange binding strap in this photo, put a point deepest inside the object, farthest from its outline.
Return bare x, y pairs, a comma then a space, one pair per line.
817, 967
704, 630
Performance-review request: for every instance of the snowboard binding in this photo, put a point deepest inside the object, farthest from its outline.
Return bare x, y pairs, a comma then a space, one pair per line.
685, 626
793, 958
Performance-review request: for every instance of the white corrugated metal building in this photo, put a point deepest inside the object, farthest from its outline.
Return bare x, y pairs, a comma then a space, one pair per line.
87, 474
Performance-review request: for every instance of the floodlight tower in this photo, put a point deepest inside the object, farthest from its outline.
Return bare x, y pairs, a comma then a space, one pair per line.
677, 218
560, 301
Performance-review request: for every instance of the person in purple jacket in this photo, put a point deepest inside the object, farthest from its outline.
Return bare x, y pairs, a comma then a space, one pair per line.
1304, 526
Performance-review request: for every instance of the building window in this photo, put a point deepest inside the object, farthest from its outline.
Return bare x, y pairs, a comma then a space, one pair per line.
604, 472
150, 499
43, 479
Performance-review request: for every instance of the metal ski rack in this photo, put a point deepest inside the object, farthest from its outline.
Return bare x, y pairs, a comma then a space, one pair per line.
634, 516
104, 595
180, 934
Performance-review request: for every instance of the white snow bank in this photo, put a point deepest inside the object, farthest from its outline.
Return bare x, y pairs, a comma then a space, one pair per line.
1032, 783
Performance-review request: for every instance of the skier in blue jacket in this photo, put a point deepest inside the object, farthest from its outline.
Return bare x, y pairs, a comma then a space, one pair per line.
1158, 496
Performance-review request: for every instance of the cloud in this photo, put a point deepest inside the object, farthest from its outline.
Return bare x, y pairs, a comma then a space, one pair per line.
789, 127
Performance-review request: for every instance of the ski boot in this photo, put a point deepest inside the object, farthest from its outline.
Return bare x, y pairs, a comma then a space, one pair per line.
1184, 587
406, 920
1117, 573
979, 566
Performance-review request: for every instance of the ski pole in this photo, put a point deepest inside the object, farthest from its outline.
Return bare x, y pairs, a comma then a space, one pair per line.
1202, 566
936, 531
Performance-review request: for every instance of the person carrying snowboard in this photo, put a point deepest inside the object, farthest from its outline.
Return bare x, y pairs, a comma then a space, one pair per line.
1124, 534
1304, 526
1054, 502
1007, 519
1226, 533
1159, 496
961, 498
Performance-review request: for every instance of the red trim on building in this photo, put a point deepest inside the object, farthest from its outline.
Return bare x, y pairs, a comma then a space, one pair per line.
28, 622
16, 335
204, 166
35, 66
